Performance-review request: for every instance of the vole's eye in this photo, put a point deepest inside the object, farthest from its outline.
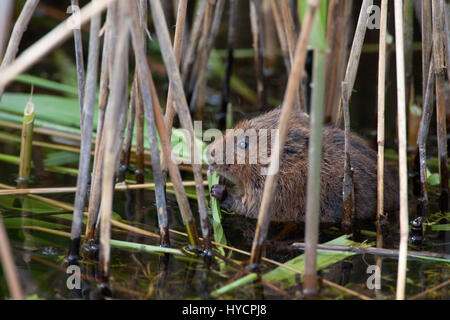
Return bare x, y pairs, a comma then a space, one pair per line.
243, 144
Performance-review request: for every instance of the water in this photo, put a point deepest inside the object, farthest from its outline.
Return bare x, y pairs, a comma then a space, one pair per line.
40, 256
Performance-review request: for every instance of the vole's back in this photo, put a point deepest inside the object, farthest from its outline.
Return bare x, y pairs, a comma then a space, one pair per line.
290, 197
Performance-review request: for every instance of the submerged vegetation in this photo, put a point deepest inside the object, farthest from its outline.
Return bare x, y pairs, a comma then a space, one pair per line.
104, 167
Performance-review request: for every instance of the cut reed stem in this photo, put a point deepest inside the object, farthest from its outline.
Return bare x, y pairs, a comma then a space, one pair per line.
26, 145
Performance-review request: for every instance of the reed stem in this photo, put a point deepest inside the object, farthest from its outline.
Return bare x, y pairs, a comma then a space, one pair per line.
147, 99
19, 29
79, 60
9, 268
257, 36
112, 122
403, 179
355, 53
440, 65
48, 42
183, 113
277, 149
348, 193
177, 48
381, 120
86, 121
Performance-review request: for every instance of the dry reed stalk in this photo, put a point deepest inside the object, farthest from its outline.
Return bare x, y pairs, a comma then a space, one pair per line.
198, 96
183, 112
231, 39
439, 56
291, 34
348, 192
143, 82
277, 149
355, 54
139, 158
43, 131
79, 60
6, 14
126, 151
281, 34
109, 42
47, 145
427, 42
424, 293
177, 48
408, 18
112, 118
381, 120
421, 157
103, 94
447, 36
48, 42
86, 121
375, 251
403, 179
16, 36
150, 91
257, 37
189, 57
118, 187
9, 268
191, 80
427, 45
289, 27
338, 29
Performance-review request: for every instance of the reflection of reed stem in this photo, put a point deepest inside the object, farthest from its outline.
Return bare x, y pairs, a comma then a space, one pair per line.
9, 268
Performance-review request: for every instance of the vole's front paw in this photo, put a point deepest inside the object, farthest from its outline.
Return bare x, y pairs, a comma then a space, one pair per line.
219, 192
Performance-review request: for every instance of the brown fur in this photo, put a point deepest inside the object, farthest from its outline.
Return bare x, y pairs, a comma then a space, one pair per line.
289, 201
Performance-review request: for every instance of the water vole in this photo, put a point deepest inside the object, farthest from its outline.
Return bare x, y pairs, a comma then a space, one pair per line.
243, 182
